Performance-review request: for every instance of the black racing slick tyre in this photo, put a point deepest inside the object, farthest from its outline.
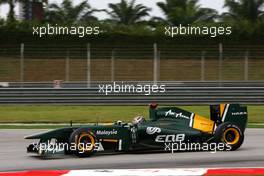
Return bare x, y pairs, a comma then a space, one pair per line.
82, 143
229, 134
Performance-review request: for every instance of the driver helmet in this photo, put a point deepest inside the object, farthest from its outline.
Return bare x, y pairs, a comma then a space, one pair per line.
138, 120
119, 122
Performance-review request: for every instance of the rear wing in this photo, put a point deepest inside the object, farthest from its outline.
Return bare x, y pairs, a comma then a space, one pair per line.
234, 113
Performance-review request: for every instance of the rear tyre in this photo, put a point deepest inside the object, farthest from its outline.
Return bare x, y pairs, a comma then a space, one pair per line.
84, 143
230, 135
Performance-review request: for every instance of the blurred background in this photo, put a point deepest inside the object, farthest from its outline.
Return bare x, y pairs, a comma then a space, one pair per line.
102, 62
132, 46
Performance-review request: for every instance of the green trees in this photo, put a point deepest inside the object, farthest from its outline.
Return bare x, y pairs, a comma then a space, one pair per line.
186, 12
130, 17
246, 17
67, 13
11, 4
127, 13
250, 10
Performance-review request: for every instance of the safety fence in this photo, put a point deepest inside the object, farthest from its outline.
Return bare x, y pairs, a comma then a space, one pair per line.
153, 62
177, 93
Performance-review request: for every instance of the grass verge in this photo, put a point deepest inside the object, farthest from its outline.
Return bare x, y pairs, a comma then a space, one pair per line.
91, 114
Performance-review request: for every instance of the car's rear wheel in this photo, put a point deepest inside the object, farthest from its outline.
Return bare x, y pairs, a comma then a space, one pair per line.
83, 143
229, 134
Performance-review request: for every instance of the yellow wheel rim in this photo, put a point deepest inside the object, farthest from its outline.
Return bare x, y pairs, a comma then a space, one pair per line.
83, 140
231, 136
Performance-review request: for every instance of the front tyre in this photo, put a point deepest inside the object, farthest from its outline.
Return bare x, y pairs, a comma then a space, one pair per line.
82, 143
229, 134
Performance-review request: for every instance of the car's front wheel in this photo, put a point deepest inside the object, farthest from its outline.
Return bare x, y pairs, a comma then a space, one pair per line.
82, 143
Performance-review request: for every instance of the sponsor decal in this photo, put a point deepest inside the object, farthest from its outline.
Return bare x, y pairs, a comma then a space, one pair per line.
177, 115
106, 132
170, 138
153, 130
239, 113
134, 135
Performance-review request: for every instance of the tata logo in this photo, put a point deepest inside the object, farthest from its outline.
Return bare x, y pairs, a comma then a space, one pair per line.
153, 130
174, 114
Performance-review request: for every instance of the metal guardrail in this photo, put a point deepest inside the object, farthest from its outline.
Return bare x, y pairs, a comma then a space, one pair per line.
177, 93
95, 84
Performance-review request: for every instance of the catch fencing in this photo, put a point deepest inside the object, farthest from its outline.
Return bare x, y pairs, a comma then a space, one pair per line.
177, 93
193, 74
148, 62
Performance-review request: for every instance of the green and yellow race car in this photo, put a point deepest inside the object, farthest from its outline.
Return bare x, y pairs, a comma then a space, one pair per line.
168, 128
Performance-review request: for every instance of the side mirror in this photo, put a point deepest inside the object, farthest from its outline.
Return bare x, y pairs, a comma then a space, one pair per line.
152, 111
215, 112
153, 105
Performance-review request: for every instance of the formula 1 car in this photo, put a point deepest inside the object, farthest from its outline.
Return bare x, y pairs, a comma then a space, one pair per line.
226, 125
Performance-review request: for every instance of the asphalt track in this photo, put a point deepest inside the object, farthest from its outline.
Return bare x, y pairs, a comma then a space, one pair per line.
13, 156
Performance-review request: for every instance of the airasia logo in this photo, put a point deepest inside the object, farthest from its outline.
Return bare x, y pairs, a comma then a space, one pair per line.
174, 114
